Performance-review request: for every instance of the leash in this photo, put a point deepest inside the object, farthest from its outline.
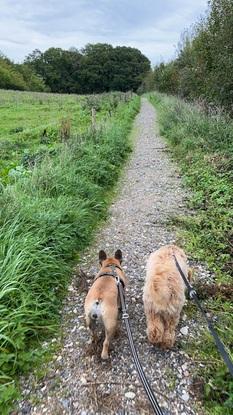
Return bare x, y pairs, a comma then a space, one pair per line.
125, 316
150, 394
193, 295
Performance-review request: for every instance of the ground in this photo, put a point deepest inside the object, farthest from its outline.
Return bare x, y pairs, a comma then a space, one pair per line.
149, 194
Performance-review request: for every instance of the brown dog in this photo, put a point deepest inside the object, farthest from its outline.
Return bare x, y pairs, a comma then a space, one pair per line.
164, 294
102, 303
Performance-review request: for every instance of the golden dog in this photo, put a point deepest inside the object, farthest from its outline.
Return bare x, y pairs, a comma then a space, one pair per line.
102, 303
164, 294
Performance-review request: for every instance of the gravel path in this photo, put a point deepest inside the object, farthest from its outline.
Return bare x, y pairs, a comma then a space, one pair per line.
77, 381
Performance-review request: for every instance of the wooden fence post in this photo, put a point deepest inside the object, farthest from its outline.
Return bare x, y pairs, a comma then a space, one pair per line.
93, 118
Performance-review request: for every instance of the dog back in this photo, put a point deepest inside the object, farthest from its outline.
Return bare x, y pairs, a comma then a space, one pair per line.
101, 298
164, 287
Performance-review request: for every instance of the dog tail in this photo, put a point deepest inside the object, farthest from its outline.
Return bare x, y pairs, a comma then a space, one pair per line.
95, 311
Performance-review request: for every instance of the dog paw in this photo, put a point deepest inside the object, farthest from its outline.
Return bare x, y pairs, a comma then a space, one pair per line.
104, 356
167, 342
155, 336
167, 345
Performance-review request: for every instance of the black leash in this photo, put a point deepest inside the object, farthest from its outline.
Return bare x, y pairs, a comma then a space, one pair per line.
193, 295
141, 374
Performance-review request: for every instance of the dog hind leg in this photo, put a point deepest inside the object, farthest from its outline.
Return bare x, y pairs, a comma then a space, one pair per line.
91, 324
155, 328
110, 329
169, 332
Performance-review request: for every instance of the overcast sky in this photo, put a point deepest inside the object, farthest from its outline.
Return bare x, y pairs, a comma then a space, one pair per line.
153, 26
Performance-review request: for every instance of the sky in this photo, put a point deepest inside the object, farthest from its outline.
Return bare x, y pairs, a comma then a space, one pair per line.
152, 26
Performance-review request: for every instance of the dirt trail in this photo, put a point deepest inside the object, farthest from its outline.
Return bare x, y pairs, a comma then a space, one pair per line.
77, 381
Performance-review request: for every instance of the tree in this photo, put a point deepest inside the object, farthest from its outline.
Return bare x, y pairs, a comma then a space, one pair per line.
130, 68
57, 67
204, 63
18, 77
97, 68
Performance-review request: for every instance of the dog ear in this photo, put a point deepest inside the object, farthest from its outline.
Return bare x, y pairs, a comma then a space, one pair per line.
118, 255
102, 256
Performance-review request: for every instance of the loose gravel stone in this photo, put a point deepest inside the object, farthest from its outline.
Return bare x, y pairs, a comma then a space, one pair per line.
184, 331
130, 395
77, 381
185, 396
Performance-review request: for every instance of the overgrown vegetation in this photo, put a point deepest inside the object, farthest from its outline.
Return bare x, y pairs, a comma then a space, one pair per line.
203, 67
94, 69
48, 212
203, 145
33, 125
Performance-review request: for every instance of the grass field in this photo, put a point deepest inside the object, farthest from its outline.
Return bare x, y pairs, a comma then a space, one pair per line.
203, 145
55, 188
33, 123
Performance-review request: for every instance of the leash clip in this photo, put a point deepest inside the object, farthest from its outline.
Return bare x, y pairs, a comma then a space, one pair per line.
117, 280
125, 316
192, 293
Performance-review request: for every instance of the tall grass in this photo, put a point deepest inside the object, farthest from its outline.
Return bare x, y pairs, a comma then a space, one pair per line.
47, 217
35, 123
203, 145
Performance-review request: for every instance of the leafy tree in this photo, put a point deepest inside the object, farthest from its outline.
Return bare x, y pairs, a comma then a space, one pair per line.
148, 83
205, 59
18, 77
34, 82
97, 68
220, 29
9, 78
166, 77
130, 68
57, 67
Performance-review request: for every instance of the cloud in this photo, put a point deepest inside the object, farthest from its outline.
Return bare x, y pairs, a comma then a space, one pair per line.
154, 27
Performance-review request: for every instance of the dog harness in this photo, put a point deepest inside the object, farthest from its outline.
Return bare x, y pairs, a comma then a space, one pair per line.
117, 278
111, 274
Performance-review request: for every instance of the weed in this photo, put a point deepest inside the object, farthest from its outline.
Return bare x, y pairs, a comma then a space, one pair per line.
65, 129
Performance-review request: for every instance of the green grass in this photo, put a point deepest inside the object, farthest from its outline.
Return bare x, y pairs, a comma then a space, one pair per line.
203, 146
48, 213
31, 123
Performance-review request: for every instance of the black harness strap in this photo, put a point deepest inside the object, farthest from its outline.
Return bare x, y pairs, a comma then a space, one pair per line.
111, 274
193, 295
150, 394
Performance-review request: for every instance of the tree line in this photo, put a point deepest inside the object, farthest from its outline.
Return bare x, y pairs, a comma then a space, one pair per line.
19, 76
96, 68
204, 65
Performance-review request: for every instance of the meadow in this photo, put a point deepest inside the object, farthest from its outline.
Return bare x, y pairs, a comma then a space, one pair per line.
58, 169
202, 143
33, 124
